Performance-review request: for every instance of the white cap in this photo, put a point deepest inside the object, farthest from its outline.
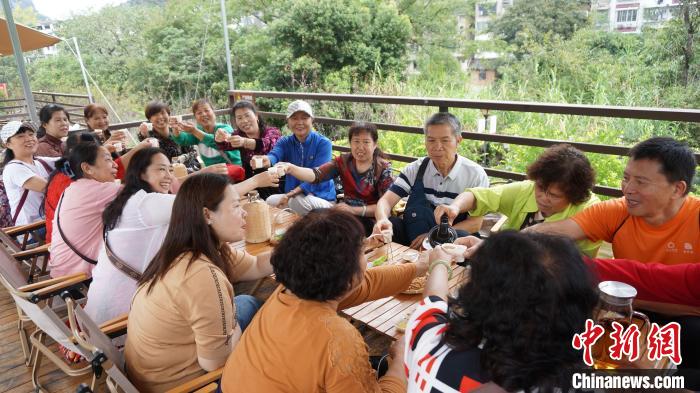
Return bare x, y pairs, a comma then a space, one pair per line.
299, 106
10, 129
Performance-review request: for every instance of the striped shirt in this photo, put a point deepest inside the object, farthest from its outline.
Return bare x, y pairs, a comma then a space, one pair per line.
430, 364
438, 189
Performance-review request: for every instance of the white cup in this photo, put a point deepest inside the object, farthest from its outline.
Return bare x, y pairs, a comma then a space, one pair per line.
118, 146
456, 250
272, 171
149, 126
411, 256
258, 161
387, 234
154, 142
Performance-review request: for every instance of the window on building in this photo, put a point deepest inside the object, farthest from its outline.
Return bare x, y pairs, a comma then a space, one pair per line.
482, 27
625, 16
486, 9
656, 14
482, 75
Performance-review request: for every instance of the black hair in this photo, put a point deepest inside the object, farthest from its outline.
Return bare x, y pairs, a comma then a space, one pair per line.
133, 183
676, 158
45, 114
244, 104
305, 264
73, 140
529, 293
155, 107
188, 231
370, 128
85, 152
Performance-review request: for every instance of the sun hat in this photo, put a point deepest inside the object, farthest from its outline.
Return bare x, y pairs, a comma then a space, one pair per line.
299, 106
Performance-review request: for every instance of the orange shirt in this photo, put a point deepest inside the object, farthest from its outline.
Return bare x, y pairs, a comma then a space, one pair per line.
297, 346
676, 241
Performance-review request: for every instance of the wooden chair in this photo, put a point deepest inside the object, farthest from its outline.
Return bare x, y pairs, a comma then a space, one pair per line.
32, 295
9, 236
97, 343
30, 256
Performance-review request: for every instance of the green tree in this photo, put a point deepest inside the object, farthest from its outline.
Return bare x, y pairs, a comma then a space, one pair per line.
527, 22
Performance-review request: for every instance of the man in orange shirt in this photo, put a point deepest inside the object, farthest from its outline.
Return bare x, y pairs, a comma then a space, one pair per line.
656, 220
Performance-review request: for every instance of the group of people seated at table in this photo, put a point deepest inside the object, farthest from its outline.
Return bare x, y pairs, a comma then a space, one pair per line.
159, 248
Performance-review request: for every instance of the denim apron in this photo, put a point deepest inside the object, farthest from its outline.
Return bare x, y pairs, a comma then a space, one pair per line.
418, 218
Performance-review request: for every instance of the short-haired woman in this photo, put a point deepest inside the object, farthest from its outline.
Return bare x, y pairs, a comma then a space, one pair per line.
511, 324
559, 186
158, 114
365, 173
55, 122
298, 342
97, 121
184, 318
201, 134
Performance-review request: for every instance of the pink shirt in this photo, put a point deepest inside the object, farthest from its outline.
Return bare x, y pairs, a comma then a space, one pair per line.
81, 222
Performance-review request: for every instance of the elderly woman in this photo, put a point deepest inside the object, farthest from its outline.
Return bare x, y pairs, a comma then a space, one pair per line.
55, 122
24, 175
365, 173
305, 148
158, 114
77, 223
201, 134
298, 342
510, 325
252, 136
184, 318
97, 121
559, 186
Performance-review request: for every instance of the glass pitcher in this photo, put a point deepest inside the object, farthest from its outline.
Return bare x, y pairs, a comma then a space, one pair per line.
615, 305
280, 222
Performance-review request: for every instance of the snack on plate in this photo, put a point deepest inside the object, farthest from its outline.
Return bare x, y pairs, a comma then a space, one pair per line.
416, 287
403, 323
379, 261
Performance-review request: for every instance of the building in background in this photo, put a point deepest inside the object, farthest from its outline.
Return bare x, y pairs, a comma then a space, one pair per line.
630, 16
483, 65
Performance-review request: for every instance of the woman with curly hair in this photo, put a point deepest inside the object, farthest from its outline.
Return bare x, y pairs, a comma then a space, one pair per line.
510, 325
559, 185
298, 342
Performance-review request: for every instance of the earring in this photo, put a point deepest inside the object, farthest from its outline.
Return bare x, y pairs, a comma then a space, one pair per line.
208, 222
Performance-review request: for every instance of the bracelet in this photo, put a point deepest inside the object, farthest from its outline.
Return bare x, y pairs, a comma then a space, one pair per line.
364, 210
443, 263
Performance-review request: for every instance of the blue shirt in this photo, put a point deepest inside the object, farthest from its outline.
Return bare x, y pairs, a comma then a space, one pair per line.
315, 151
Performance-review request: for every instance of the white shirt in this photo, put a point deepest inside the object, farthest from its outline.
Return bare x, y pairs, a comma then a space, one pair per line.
15, 174
438, 189
136, 239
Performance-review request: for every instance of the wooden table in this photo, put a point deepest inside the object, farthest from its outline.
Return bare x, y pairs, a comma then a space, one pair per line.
382, 315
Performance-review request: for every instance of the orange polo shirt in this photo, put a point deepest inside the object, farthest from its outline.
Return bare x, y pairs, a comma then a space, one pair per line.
676, 241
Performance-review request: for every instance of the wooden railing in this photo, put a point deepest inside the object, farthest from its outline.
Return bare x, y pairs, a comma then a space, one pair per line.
73, 103
444, 105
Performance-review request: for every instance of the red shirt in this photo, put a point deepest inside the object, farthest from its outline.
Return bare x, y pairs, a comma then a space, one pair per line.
58, 184
656, 282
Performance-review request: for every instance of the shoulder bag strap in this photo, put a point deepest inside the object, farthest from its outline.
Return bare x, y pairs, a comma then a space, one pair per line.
20, 205
65, 239
22, 199
45, 165
119, 263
